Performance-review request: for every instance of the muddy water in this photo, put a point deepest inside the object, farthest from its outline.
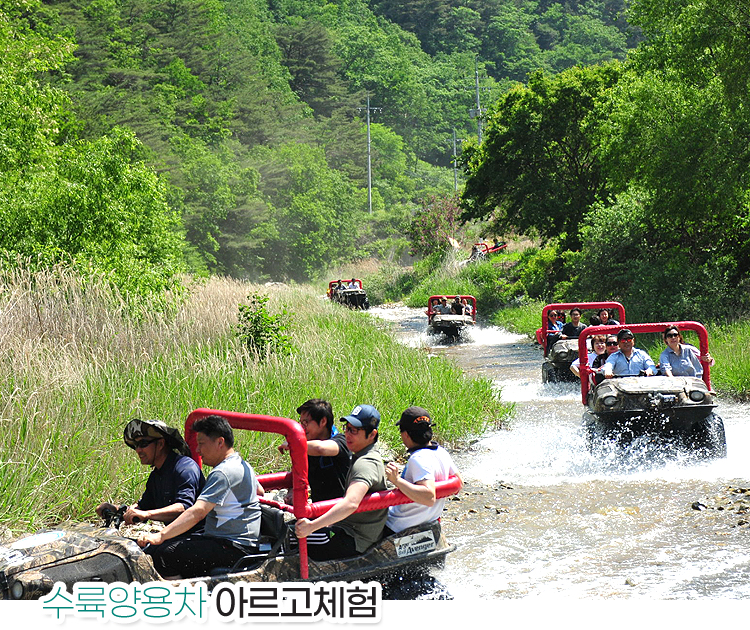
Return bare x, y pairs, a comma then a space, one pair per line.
541, 516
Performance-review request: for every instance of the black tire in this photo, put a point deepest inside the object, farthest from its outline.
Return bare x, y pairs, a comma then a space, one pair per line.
708, 438
549, 373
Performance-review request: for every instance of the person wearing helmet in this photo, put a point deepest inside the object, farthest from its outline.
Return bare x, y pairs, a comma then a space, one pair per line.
175, 480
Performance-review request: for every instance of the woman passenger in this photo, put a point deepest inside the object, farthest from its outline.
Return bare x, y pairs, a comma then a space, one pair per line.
598, 343
680, 358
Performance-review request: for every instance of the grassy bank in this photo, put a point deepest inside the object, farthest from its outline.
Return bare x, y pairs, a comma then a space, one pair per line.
75, 367
728, 343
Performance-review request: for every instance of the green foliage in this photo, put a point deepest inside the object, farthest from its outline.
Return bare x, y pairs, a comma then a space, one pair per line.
537, 171
435, 225
259, 331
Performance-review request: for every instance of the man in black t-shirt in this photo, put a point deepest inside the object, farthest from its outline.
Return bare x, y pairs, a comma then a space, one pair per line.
574, 328
328, 456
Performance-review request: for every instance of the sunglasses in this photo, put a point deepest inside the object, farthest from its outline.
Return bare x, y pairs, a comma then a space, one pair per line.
353, 430
611, 343
143, 443
672, 335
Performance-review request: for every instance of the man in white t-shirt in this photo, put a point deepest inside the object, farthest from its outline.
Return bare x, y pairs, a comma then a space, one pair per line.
428, 463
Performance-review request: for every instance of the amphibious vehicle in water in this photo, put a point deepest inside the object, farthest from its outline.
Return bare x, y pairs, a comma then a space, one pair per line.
449, 320
678, 409
559, 354
349, 293
76, 552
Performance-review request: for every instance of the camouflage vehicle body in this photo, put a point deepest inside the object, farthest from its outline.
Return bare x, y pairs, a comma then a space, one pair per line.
450, 325
558, 358
71, 553
353, 298
556, 365
677, 408
77, 552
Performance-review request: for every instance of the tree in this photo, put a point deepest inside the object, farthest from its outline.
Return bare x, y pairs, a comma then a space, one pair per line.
537, 171
435, 225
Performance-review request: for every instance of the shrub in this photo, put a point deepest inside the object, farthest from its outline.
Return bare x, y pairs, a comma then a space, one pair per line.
259, 331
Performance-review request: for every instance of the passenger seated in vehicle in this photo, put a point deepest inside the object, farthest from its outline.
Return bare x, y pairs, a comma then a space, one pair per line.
328, 456
628, 360
456, 306
595, 321
342, 532
573, 329
228, 502
605, 319
468, 309
353, 285
443, 308
680, 358
175, 480
554, 328
427, 464
598, 343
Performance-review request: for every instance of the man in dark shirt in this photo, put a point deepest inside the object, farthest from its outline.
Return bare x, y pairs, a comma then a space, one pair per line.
328, 456
573, 329
175, 480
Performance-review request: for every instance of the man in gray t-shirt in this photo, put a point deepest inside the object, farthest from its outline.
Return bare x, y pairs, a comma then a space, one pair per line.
228, 502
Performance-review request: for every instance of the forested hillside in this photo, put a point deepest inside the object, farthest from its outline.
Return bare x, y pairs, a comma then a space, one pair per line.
144, 137
636, 175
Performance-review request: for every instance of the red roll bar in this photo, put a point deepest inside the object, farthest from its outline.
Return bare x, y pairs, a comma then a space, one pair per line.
659, 327
469, 298
541, 333
297, 478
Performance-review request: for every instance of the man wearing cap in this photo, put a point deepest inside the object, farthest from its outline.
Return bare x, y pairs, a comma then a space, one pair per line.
628, 360
428, 462
175, 480
328, 456
340, 532
443, 308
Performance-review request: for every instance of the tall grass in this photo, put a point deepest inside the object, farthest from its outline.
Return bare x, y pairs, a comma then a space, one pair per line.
76, 366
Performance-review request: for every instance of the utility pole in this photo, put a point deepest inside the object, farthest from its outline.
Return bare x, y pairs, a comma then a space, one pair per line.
369, 152
455, 172
477, 113
479, 106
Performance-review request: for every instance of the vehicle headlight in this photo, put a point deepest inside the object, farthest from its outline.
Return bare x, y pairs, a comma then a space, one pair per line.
16, 591
610, 401
697, 396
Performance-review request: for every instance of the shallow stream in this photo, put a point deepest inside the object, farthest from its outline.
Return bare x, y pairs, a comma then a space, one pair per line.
540, 515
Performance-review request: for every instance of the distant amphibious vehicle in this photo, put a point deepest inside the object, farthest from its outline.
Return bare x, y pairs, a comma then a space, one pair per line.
443, 318
559, 354
349, 293
72, 553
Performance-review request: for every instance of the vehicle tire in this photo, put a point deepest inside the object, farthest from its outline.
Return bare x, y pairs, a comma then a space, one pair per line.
592, 431
549, 373
708, 438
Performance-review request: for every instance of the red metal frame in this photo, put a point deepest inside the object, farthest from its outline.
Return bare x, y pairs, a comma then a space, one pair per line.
297, 478
490, 250
333, 282
541, 333
429, 312
659, 327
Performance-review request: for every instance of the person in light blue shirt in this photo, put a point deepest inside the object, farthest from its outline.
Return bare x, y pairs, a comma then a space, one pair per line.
680, 358
628, 360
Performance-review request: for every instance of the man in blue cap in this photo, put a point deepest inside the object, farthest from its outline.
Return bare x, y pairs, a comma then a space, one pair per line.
340, 532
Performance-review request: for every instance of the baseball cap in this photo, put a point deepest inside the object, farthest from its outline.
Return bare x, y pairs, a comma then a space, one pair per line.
414, 417
363, 416
624, 333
